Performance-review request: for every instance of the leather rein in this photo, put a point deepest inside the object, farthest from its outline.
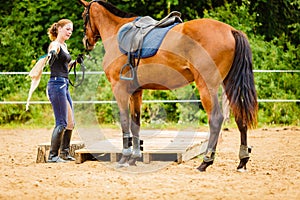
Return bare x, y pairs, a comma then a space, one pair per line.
83, 68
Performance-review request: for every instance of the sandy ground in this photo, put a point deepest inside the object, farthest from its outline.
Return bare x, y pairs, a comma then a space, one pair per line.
273, 171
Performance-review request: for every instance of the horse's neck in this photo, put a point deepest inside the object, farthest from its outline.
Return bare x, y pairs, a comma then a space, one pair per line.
110, 24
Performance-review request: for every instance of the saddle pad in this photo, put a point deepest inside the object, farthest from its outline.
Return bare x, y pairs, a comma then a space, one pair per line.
151, 42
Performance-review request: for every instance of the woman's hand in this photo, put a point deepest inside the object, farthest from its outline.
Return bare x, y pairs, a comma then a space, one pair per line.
79, 58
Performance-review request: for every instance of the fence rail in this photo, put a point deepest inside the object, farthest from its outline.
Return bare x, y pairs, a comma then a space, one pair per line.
26, 73
151, 101
102, 72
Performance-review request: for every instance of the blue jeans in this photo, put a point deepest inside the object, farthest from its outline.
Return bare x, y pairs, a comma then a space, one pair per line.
59, 95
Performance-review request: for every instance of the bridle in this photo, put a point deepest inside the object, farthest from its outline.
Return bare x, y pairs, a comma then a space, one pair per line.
96, 37
87, 21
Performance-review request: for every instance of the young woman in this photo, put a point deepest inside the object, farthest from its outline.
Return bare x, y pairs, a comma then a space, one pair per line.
60, 62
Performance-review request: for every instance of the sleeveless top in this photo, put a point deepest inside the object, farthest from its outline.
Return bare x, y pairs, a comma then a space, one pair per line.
60, 67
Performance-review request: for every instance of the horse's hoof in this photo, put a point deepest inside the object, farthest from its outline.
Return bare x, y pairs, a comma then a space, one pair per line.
242, 165
121, 165
132, 161
241, 170
204, 165
123, 162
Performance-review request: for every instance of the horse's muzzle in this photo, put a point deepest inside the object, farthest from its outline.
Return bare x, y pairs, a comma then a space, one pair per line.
87, 45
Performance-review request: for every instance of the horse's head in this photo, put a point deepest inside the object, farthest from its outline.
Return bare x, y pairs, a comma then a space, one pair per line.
91, 33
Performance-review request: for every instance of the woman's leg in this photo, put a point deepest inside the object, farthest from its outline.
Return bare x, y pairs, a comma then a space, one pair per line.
57, 95
65, 144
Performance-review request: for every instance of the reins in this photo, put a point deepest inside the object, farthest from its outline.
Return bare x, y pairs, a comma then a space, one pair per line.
83, 68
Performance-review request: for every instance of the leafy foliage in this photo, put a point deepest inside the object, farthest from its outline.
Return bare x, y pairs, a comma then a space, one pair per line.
272, 28
23, 32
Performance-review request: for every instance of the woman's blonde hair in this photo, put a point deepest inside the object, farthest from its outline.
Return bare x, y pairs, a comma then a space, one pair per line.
53, 30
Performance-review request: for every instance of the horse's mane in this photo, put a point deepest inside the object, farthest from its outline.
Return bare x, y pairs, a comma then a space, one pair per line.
114, 10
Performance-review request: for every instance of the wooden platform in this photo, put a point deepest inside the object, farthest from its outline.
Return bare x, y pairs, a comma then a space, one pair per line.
43, 150
177, 146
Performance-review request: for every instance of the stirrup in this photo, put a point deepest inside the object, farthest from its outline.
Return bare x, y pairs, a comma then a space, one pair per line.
131, 71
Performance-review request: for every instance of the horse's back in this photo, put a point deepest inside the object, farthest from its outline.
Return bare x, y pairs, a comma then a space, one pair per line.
208, 32
213, 36
204, 25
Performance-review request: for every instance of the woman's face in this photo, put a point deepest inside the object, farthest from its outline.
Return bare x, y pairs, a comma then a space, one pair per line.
65, 32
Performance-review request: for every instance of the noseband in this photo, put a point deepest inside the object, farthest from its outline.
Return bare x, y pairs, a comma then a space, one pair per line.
87, 21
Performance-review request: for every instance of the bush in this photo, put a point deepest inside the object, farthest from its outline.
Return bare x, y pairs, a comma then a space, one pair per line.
21, 44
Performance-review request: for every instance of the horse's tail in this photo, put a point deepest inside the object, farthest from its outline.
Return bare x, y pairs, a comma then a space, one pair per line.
239, 83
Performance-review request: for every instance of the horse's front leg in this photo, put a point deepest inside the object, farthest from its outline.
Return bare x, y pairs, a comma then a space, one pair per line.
126, 152
135, 111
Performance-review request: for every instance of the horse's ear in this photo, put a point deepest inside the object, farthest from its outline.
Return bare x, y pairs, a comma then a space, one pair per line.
84, 3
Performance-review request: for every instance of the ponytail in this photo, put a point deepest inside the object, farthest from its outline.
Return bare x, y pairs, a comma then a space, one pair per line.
53, 30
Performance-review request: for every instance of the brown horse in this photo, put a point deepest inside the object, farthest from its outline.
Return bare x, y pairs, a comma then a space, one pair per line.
206, 51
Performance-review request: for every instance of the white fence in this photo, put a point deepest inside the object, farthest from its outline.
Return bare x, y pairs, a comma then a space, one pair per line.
150, 101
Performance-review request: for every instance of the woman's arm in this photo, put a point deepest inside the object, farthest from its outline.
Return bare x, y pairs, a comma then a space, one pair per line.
53, 51
71, 64
54, 46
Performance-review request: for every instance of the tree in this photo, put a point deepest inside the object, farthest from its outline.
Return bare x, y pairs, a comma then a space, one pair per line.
272, 28
278, 18
23, 31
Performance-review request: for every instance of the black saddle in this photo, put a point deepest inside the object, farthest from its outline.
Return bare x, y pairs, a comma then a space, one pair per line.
131, 40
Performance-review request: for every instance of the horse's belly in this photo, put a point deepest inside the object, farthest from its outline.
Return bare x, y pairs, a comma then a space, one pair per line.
161, 77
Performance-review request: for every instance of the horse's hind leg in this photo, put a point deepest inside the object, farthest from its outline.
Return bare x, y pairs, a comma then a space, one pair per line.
244, 150
135, 111
215, 116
